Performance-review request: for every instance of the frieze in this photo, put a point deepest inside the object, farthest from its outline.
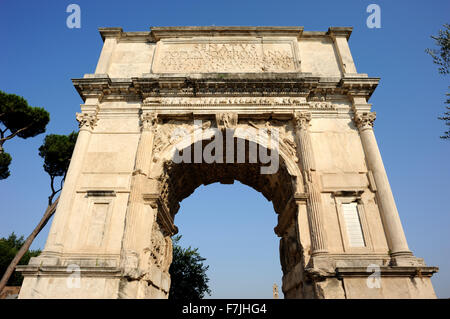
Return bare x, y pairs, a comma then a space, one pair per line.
261, 101
224, 101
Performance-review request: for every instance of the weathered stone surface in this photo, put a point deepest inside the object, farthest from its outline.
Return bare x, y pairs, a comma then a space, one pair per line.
227, 55
290, 97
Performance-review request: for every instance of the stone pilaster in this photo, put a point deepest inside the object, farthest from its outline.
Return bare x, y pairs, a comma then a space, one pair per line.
314, 206
393, 227
87, 121
139, 220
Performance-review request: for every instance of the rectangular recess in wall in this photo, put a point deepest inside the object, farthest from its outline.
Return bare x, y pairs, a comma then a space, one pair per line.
353, 225
97, 224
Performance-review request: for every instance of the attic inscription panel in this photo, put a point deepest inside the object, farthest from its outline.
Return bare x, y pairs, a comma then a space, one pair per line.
212, 55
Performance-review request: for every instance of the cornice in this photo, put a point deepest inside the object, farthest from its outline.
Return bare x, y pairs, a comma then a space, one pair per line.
387, 271
110, 32
360, 86
61, 271
158, 33
216, 85
340, 31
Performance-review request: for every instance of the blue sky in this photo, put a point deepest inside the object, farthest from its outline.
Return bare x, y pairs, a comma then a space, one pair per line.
233, 224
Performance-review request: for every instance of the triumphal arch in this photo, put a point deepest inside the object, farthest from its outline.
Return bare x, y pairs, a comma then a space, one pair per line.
280, 109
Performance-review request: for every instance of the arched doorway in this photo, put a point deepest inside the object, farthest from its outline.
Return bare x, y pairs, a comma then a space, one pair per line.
178, 179
232, 226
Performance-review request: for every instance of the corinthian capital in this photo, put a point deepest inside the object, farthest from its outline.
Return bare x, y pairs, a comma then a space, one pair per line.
301, 120
149, 120
86, 120
365, 120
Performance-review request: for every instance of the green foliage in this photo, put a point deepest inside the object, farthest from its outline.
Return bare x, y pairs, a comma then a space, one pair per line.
57, 151
446, 118
441, 57
188, 274
16, 114
8, 250
21, 120
5, 160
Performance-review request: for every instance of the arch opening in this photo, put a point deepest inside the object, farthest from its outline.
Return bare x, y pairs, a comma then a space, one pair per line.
178, 180
232, 225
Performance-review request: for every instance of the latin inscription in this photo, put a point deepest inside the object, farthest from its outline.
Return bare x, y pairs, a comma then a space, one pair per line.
223, 57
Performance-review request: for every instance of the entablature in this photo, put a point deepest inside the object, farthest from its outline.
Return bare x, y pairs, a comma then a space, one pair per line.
213, 85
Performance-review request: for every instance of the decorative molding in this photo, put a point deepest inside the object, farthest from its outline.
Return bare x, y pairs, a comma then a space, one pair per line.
149, 120
192, 101
325, 105
226, 120
340, 31
301, 197
365, 120
302, 120
113, 32
159, 33
386, 271
61, 271
238, 86
86, 120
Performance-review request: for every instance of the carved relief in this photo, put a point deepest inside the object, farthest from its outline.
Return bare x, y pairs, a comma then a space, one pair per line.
86, 120
365, 120
291, 147
321, 105
226, 120
319, 101
162, 138
149, 120
192, 101
222, 57
284, 135
301, 120
290, 251
168, 134
172, 132
161, 249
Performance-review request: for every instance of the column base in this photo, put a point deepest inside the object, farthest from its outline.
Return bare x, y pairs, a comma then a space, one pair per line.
405, 260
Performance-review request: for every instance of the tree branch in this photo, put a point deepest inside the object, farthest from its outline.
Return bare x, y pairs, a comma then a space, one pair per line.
50, 198
2, 134
62, 182
3, 139
9, 271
